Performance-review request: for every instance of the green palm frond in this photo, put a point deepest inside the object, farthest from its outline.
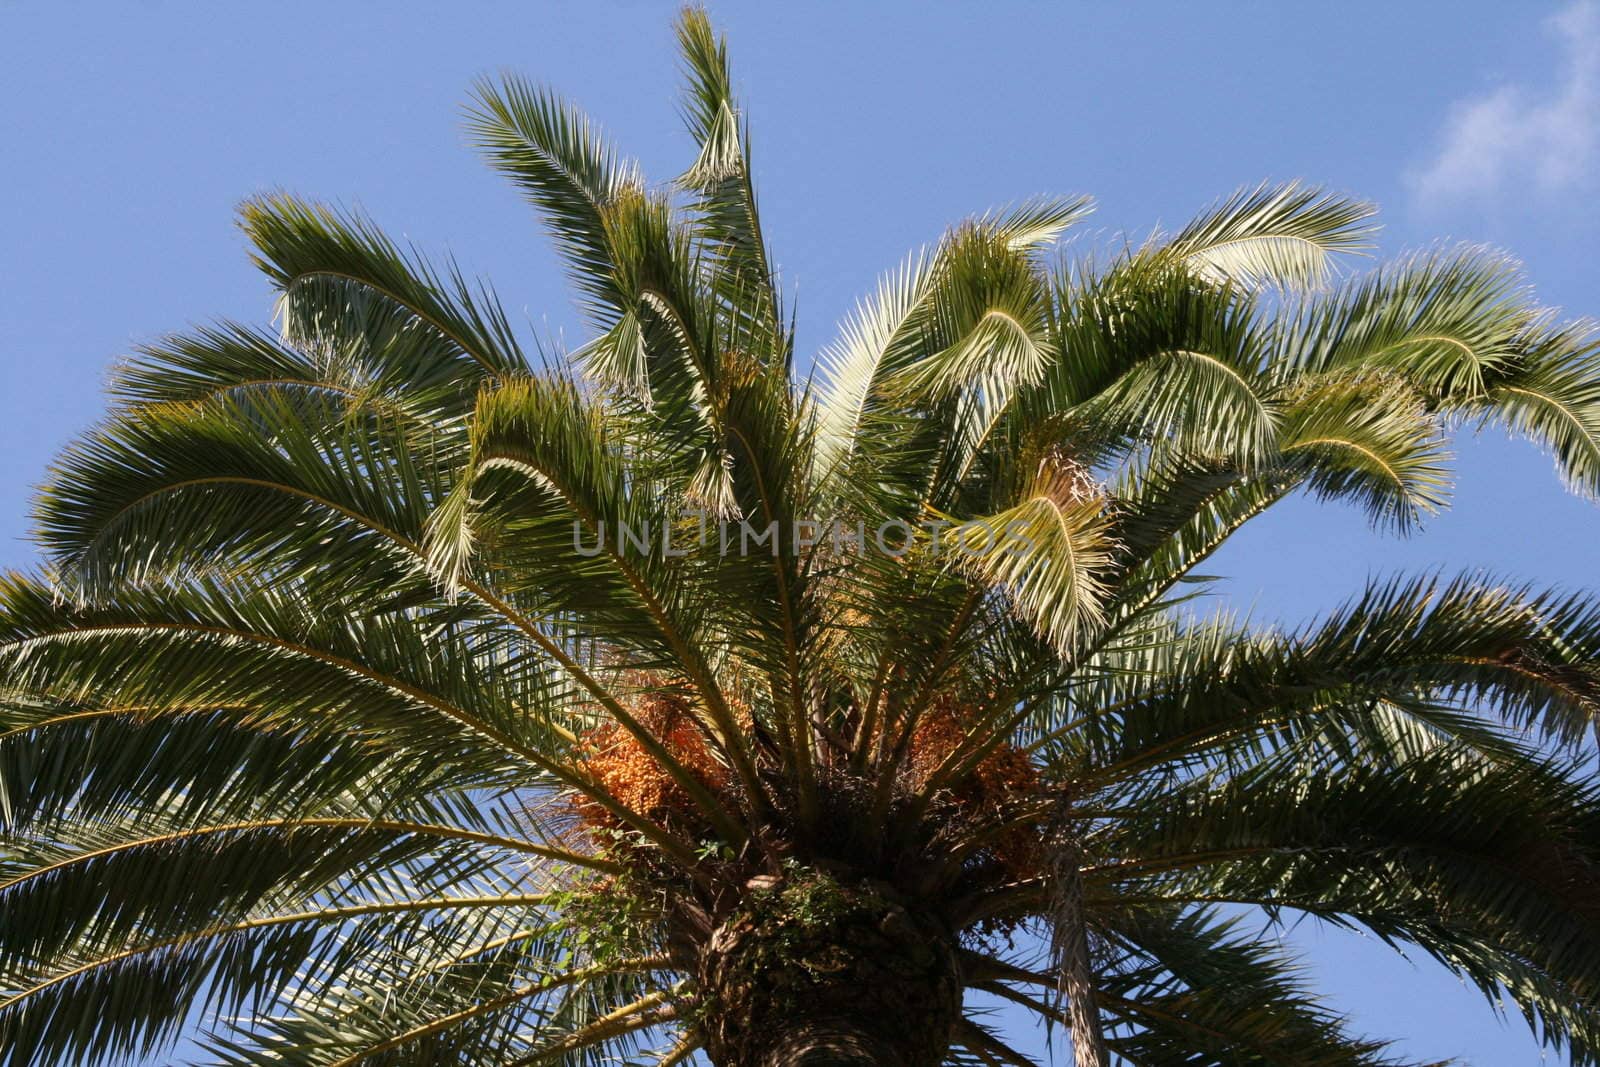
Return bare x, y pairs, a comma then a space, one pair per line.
1548, 394
1151, 354
1445, 321
1194, 987
562, 164
725, 205
1370, 441
1048, 553
876, 343
1511, 847
1274, 235
308, 250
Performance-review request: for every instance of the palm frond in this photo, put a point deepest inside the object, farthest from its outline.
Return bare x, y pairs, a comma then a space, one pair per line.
310, 251
562, 164
1274, 235
1550, 393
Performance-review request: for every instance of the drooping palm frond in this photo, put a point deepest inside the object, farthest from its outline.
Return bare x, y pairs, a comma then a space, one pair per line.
1508, 845
1547, 393
1444, 320
1275, 235
1190, 986
308, 250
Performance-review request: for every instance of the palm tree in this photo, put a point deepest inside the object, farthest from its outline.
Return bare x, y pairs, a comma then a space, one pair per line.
394, 697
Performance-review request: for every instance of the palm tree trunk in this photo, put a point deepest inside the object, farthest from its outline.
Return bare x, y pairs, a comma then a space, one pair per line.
1074, 969
839, 1044
863, 981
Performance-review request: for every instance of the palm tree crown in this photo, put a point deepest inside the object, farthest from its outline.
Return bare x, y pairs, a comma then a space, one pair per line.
393, 697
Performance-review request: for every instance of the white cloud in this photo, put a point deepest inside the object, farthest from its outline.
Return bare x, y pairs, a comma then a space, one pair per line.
1517, 137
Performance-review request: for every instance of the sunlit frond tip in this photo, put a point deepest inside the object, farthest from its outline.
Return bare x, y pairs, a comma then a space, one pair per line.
1276, 236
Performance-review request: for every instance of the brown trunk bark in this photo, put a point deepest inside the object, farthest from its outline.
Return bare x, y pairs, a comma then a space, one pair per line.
1074, 969
828, 1045
856, 979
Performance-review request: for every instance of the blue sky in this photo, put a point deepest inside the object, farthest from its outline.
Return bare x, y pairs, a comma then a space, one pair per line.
129, 134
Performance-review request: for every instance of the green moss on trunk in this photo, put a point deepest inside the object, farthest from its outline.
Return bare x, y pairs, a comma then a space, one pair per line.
815, 972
